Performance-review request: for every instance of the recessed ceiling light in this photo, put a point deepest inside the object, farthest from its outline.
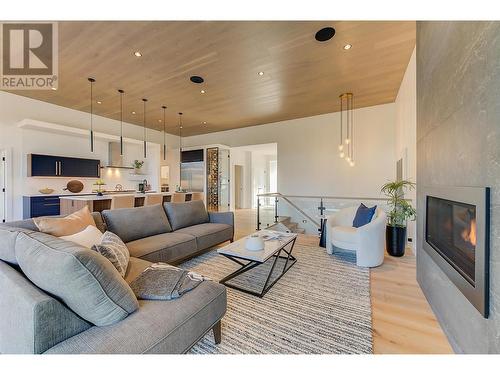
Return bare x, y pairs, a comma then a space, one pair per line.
133, 112
137, 54
347, 46
261, 73
204, 122
197, 79
180, 126
54, 88
325, 34
159, 120
202, 91
99, 102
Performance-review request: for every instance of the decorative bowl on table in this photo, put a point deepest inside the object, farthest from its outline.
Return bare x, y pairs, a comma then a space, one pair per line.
254, 243
46, 190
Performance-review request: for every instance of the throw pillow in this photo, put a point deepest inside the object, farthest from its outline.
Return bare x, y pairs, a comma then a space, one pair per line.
363, 215
65, 226
84, 280
87, 237
113, 248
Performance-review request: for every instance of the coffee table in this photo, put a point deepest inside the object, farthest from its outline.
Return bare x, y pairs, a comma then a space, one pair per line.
273, 248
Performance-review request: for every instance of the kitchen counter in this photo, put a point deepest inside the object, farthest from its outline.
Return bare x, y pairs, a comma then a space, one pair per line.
107, 197
99, 203
109, 192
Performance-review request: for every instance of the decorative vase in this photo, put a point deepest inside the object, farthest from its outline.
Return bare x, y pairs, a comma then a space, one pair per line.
395, 238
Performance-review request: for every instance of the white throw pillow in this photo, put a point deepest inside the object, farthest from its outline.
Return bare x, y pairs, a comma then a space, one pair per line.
115, 250
87, 237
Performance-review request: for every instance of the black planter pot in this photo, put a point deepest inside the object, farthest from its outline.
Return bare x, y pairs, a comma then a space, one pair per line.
395, 238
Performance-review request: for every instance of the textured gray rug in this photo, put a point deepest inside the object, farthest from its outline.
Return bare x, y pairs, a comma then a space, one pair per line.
321, 305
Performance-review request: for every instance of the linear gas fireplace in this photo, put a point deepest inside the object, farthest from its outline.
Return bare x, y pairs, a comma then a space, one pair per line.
457, 238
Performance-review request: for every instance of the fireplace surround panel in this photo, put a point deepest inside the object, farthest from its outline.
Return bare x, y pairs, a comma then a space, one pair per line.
456, 236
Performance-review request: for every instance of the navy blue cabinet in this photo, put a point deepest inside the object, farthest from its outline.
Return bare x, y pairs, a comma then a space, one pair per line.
62, 166
41, 206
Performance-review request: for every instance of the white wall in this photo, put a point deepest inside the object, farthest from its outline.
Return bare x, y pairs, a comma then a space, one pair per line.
406, 131
307, 154
308, 161
19, 142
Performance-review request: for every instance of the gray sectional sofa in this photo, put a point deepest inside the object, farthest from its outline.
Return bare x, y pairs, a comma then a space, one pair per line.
100, 315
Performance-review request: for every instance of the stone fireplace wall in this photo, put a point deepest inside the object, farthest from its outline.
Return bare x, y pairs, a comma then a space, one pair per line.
458, 144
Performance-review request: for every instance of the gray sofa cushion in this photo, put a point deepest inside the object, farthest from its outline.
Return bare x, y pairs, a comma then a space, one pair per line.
134, 223
32, 321
28, 224
8, 237
166, 247
157, 327
208, 234
83, 279
185, 214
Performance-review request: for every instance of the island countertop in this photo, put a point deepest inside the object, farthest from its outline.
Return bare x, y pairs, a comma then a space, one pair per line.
95, 197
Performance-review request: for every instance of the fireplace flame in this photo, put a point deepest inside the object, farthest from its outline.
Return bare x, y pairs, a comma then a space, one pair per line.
469, 234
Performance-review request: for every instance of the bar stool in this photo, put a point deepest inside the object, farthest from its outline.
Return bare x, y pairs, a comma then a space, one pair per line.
152, 199
179, 197
122, 201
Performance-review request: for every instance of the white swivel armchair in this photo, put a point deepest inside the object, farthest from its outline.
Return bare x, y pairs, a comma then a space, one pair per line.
367, 241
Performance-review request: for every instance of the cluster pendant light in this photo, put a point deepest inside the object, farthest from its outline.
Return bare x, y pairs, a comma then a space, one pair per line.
346, 146
164, 134
91, 81
121, 92
144, 127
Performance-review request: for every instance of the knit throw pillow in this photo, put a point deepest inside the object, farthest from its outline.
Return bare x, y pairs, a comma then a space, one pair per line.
113, 248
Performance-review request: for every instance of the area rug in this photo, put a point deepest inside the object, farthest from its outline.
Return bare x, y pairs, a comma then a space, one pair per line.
320, 306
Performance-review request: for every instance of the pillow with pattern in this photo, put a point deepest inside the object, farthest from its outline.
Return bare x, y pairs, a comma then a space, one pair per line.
113, 248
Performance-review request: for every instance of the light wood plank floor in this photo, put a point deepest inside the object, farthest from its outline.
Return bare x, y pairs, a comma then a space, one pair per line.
403, 321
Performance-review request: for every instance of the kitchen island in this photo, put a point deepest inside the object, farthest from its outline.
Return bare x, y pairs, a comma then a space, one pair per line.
99, 203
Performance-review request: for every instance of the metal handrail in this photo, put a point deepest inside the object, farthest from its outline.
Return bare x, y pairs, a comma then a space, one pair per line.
321, 206
319, 197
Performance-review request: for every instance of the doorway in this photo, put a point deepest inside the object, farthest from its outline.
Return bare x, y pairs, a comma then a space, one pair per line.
238, 186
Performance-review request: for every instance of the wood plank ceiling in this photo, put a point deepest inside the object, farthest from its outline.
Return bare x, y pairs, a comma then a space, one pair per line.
302, 77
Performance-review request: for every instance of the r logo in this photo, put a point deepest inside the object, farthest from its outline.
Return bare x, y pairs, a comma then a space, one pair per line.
29, 49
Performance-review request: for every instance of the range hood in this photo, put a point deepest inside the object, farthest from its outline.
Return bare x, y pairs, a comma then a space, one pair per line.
115, 160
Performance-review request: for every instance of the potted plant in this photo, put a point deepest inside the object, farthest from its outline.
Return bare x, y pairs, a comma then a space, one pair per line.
137, 166
400, 212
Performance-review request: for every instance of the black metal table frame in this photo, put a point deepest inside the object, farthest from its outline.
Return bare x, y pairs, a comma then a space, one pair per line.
245, 267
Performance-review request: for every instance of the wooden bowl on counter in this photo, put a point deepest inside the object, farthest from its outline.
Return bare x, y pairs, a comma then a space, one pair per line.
46, 191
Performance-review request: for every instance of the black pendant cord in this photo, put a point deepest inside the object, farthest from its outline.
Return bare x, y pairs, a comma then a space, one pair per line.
144, 126
121, 121
180, 147
91, 80
352, 128
164, 135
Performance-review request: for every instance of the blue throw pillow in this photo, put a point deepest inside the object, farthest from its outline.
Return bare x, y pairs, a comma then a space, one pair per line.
363, 215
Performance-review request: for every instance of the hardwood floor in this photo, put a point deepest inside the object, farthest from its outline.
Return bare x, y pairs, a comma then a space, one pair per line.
403, 321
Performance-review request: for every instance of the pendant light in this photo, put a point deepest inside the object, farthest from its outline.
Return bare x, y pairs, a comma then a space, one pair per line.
180, 144
121, 92
91, 81
164, 134
346, 146
144, 127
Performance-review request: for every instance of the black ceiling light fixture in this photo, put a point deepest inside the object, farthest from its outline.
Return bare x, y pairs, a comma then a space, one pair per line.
164, 134
91, 80
197, 79
180, 143
144, 126
325, 34
121, 92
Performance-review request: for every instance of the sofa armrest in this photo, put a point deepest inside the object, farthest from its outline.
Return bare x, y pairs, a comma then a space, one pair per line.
221, 218
32, 321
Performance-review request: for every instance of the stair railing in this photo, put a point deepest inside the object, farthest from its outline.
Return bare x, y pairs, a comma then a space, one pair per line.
321, 207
